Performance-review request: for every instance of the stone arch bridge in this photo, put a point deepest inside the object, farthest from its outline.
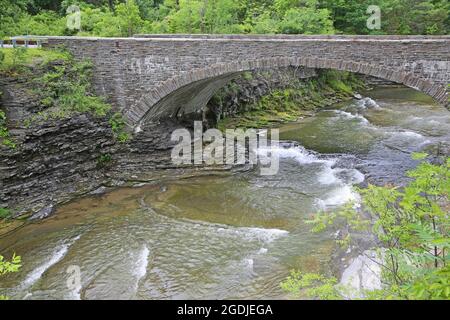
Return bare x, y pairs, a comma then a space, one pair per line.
150, 77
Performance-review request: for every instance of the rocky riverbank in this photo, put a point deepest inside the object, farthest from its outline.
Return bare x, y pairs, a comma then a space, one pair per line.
270, 97
60, 157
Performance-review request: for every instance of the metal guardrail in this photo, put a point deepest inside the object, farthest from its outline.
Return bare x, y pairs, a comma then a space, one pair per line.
23, 41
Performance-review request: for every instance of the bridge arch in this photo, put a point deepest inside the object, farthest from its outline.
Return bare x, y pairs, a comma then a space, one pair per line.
190, 91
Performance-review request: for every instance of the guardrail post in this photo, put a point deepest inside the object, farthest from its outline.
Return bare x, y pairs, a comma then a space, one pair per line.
39, 43
14, 43
1, 43
26, 43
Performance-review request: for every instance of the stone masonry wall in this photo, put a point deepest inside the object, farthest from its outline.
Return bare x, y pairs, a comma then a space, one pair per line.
137, 73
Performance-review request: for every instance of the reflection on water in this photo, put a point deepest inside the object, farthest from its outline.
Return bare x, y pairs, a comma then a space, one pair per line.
226, 236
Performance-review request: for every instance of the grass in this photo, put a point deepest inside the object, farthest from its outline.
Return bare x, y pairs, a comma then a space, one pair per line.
14, 58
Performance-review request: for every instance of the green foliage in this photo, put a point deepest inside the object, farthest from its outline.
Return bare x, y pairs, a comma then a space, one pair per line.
65, 89
18, 59
63, 86
433, 285
128, 17
323, 220
5, 136
312, 285
4, 213
415, 17
10, 13
118, 126
41, 24
297, 99
397, 16
104, 160
413, 227
340, 81
306, 20
9, 267
124, 21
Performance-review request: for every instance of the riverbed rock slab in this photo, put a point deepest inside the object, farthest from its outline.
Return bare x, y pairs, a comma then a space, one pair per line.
43, 213
363, 274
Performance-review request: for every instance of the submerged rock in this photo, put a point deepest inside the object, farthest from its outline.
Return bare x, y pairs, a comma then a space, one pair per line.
43, 213
100, 190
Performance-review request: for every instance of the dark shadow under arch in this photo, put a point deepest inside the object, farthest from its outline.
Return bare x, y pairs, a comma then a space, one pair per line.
190, 91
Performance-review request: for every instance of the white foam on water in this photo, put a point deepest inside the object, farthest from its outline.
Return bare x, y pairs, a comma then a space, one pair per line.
140, 266
298, 153
411, 134
434, 122
259, 234
348, 115
265, 235
357, 176
353, 176
338, 197
57, 256
344, 192
140, 269
328, 176
368, 103
262, 251
408, 138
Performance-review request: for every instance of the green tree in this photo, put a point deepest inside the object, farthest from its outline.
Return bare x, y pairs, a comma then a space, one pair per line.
349, 16
129, 18
266, 23
397, 16
306, 20
9, 267
186, 17
10, 14
415, 16
221, 16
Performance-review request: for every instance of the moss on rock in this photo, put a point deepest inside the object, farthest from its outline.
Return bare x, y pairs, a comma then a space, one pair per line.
300, 99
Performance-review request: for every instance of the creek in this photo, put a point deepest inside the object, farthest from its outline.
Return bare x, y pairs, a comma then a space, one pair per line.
233, 235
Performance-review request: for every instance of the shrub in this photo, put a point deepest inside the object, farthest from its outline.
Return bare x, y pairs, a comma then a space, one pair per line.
118, 126
65, 90
412, 225
4, 213
4, 133
103, 160
9, 267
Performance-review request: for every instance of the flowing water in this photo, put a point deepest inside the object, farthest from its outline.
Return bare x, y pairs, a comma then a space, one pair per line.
233, 235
